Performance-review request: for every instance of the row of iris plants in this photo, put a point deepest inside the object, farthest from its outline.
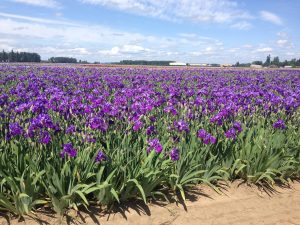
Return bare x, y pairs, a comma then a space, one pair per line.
71, 137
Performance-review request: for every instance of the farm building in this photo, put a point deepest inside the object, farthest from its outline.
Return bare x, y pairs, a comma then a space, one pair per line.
199, 64
177, 64
226, 65
256, 66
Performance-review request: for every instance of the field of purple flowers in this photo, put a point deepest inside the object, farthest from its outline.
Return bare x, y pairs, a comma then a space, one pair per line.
71, 137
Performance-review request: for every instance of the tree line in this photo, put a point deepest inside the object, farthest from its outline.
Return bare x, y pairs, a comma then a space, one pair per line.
62, 60
19, 56
272, 62
145, 62
13, 56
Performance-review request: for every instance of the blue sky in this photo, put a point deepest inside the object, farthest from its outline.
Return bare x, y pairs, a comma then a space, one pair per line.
221, 31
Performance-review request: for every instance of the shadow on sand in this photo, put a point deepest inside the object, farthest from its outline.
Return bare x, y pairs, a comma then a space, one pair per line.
95, 212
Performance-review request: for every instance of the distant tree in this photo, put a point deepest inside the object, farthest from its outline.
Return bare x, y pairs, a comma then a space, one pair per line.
62, 60
237, 64
2, 56
5, 56
25, 57
19, 57
11, 56
215, 65
144, 62
276, 61
257, 63
268, 61
284, 63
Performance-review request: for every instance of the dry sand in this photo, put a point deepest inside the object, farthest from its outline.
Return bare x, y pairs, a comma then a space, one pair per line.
238, 205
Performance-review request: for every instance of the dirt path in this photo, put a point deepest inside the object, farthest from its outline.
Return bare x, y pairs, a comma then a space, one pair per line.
236, 206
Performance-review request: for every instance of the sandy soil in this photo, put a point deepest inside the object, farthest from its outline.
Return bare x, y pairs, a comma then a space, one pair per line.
238, 205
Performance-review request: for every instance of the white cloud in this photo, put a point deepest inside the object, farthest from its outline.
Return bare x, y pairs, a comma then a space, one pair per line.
247, 46
233, 50
125, 49
59, 14
271, 17
204, 52
6, 43
58, 51
63, 32
35, 19
188, 35
208, 49
71, 38
81, 51
41, 3
243, 25
101, 43
133, 49
175, 10
282, 34
282, 42
266, 50
290, 53
112, 52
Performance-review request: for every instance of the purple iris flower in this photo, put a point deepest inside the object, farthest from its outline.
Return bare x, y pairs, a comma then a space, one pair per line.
42, 121
71, 129
279, 124
206, 137
3, 99
201, 133
137, 125
15, 129
181, 126
231, 133
68, 149
171, 109
89, 138
237, 126
174, 154
212, 139
96, 123
45, 137
218, 119
21, 108
45, 120
154, 144
100, 156
150, 130
152, 119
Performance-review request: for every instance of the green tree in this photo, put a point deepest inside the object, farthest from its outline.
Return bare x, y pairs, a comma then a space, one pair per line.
268, 61
19, 57
257, 62
62, 60
276, 61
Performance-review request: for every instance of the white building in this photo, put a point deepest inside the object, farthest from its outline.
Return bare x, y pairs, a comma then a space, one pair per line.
199, 64
177, 64
226, 65
256, 66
